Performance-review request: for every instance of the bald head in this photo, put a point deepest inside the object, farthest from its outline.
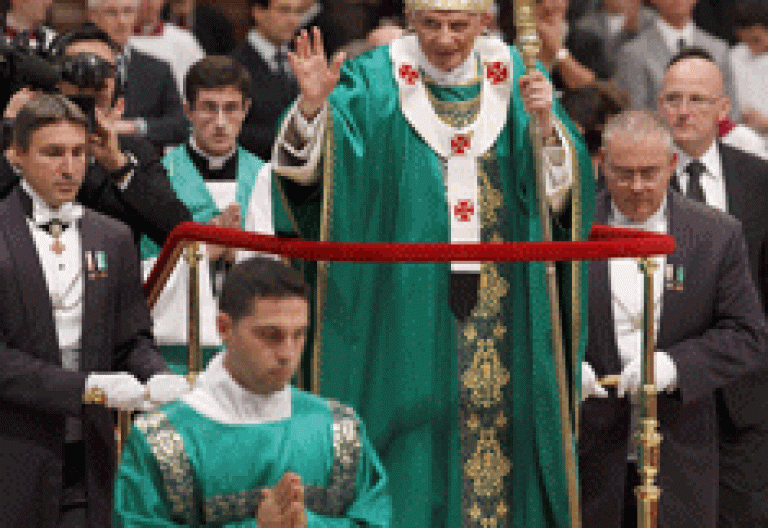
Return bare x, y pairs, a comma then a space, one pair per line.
693, 102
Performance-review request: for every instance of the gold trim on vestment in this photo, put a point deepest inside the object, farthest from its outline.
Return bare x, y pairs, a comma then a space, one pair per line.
167, 446
576, 267
326, 222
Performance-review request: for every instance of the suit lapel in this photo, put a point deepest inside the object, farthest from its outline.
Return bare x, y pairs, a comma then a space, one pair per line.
673, 302
93, 303
658, 50
36, 299
600, 298
736, 192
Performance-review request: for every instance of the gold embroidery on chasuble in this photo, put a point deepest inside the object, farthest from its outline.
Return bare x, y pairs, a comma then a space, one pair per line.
484, 375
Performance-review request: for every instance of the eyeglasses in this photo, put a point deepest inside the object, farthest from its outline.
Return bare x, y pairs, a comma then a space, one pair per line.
695, 101
625, 177
210, 110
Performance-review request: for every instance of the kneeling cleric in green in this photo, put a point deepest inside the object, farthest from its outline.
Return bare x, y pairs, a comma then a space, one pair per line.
244, 448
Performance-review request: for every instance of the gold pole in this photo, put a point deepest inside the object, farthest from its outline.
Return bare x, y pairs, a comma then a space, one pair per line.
98, 397
528, 41
194, 358
649, 438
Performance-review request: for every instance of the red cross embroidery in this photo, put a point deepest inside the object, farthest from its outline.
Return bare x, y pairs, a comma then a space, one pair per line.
408, 74
497, 72
460, 144
463, 210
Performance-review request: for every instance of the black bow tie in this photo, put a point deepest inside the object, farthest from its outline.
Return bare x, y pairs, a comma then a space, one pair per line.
55, 225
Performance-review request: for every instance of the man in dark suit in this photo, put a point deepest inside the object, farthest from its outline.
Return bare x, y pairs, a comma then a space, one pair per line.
125, 179
209, 24
74, 319
711, 331
265, 54
643, 60
152, 102
692, 102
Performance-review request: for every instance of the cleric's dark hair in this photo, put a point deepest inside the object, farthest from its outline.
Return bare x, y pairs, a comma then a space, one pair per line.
216, 71
691, 53
749, 13
255, 278
43, 110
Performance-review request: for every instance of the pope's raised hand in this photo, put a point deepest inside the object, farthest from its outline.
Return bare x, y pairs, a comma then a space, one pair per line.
316, 76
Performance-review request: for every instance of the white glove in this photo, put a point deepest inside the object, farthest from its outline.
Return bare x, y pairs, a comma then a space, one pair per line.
589, 386
124, 392
164, 388
665, 374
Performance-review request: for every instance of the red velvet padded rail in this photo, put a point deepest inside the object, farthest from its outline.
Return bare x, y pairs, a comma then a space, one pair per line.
604, 242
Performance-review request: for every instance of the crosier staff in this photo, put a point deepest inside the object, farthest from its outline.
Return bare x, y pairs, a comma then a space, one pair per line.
528, 43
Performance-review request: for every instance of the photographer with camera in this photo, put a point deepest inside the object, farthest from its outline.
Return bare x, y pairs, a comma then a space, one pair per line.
124, 178
23, 26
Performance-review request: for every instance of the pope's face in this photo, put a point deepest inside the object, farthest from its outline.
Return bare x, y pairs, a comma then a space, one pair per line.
447, 37
217, 117
264, 347
54, 164
637, 172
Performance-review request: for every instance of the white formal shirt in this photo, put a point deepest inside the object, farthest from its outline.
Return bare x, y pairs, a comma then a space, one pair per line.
268, 50
672, 36
63, 273
712, 181
219, 397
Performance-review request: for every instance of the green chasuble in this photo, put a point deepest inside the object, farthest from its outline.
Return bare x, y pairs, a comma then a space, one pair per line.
464, 416
182, 468
191, 189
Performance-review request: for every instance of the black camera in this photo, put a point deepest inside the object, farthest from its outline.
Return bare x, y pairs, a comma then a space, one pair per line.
26, 66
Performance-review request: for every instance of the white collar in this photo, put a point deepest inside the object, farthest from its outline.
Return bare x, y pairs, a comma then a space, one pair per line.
710, 159
657, 222
214, 162
219, 397
42, 214
671, 35
265, 48
461, 74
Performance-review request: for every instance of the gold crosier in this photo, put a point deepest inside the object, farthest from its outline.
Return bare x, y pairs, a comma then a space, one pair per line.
528, 42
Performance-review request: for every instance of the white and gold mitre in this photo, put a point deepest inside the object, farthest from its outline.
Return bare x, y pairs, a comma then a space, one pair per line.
477, 6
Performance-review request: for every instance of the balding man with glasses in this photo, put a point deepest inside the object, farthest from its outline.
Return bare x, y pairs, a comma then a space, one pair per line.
692, 102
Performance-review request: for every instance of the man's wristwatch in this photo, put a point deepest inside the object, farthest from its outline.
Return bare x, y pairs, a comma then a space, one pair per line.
561, 55
120, 174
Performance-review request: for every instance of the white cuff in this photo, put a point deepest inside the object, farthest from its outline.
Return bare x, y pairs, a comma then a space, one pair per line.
665, 372
123, 184
141, 126
559, 169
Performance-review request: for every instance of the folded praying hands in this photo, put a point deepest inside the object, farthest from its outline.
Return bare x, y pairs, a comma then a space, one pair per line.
283, 505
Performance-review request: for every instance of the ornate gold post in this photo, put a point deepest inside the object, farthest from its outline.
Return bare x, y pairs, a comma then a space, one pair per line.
528, 42
194, 358
99, 397
649, 438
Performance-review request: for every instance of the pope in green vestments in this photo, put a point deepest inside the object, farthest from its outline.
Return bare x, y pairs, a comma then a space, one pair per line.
244, 448
463, 411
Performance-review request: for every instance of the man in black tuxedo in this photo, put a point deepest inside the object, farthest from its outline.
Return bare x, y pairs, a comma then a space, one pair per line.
153, 106
710, 332
265, 55
692, 102
74, 319
125, 178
